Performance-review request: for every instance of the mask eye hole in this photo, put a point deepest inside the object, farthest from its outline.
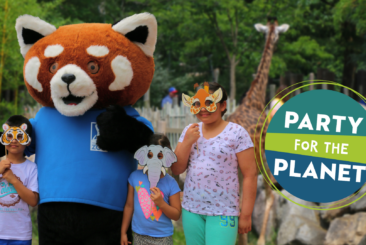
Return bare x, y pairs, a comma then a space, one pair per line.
9, 136
197, 104
208, 103
93, 67
54, 67
150, 155
20, 137
160, 155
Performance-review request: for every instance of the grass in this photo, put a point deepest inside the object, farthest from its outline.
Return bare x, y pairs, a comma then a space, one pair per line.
34, 228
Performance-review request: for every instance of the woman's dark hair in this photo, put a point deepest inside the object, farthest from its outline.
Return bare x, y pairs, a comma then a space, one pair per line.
17, 121
282, 91
215, 86
159, 139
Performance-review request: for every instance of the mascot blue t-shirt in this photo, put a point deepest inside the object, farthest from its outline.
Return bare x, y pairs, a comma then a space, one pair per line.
73, 168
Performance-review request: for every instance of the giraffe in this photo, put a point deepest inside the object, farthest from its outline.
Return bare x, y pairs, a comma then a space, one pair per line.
251, 107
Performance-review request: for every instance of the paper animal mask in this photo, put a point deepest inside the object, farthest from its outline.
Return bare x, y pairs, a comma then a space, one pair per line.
202, 99
155, 158
17, 133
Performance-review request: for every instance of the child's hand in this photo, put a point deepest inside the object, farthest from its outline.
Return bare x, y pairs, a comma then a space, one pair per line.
192, 134
9, 176
245, 224
124, 240
4, 164
156, 196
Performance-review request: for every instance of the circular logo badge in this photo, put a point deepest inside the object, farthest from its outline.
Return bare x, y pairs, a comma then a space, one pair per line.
315, 146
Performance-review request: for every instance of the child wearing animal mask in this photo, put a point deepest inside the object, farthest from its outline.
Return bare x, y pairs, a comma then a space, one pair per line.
18, 184
153, 196
213, 151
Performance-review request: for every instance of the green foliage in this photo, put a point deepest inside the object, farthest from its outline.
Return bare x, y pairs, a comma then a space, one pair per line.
323, 34
178, 237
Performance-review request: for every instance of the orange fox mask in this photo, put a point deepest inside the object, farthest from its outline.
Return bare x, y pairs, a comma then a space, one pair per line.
202, 99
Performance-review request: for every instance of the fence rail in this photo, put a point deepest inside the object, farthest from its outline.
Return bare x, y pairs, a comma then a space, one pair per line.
171, 120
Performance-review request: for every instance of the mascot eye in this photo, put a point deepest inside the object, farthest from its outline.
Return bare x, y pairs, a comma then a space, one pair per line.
160, 155
93, 67
150, 155
53, 67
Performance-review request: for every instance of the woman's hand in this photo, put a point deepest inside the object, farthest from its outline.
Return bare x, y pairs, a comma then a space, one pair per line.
124, 240
156, 196
245, 224
192, 134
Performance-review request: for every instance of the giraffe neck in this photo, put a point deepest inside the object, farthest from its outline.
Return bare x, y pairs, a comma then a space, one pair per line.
257, 91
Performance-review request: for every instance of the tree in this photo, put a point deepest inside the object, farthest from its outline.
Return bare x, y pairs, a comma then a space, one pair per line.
11, 62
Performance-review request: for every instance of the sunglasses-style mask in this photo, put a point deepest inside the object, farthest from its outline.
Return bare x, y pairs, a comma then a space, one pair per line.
202, 99
17, 133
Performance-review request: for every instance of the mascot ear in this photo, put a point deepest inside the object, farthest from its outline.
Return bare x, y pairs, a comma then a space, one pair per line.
29, 30
141, 29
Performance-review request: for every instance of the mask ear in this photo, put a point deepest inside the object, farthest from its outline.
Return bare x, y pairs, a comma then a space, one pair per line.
169, 157
186, 100
140, 155
29, 30
217, 95
5, 127
24, 126
141, 29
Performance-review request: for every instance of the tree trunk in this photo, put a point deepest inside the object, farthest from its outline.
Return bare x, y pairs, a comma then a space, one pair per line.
232, 77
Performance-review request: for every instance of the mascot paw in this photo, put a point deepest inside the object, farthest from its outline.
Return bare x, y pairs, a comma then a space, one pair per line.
118, 131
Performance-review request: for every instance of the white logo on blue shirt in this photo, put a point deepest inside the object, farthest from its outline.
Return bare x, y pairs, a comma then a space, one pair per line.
94, 133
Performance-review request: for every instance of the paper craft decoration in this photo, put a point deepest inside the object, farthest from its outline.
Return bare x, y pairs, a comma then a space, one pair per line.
17, 133
202, 99
155, 158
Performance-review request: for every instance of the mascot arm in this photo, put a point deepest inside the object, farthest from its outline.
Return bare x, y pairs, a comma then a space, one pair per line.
2, 147
120, 131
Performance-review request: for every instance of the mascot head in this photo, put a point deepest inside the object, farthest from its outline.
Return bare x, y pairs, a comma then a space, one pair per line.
79, 67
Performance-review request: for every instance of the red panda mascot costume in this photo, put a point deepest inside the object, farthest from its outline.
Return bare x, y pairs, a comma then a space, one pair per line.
86, 76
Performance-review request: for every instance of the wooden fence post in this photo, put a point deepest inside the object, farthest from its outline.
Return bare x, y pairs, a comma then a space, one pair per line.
272, 91
311, 78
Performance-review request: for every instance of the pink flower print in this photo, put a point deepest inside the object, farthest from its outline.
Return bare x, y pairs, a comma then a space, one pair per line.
212, 159
221, 171
217, 205
214, 190
218, 156
226, 138
145, 201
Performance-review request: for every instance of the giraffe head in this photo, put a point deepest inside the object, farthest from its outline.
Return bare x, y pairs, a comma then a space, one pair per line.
202, 99
272, 28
